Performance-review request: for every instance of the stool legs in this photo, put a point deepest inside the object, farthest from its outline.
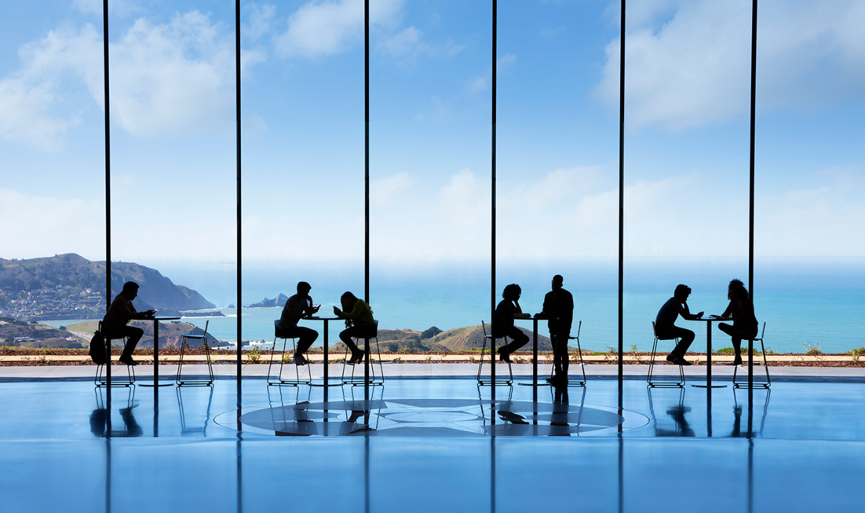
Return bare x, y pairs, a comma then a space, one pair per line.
277, 380
744, 384
663, 384
101, 380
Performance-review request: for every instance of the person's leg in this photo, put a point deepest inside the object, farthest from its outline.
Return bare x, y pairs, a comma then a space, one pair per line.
519, 340
133, 335
557, 360
562, 349
306, 338
685, 338
346, 337
736, 336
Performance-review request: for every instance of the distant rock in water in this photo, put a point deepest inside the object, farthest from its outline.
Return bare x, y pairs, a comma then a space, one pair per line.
280, 300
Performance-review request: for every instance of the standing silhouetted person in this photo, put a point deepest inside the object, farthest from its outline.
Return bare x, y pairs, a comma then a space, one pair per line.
503, 321
666, 329
119, 314
360, 323
296, 308
741, 309
559, 307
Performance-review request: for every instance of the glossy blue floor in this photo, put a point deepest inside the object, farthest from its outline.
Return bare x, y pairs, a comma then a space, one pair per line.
430, 445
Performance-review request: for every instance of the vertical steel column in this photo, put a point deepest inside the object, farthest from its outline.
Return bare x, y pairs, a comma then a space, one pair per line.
107, 198
493, 213
366, 188
237, 129
621, 196
751, 210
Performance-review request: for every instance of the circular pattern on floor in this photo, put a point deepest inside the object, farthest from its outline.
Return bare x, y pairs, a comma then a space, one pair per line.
431, 417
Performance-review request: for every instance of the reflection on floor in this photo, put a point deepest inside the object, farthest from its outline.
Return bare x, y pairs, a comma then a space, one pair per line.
432, 417
430, 445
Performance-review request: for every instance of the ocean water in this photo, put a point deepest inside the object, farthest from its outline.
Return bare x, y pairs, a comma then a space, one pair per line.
794, 322
802, 308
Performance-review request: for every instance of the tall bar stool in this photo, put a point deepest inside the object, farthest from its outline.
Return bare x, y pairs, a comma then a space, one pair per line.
488, 381
662, 384
184, 344
101, 380
374, 379
575, 383
744, 384
277, 380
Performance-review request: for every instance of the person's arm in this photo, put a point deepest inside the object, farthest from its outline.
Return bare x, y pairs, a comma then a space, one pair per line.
130, 313
686, 313
355, 311
309, 310
729, 311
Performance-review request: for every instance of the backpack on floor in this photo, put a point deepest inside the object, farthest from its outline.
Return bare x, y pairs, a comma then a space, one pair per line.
97, 348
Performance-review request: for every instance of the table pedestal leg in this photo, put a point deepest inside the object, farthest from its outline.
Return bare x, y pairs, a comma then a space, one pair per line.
709, 386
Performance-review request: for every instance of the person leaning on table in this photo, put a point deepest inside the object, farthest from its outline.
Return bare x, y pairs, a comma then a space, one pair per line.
121, 312
360, 324
297, 307
503, 321
666, 329
741, 309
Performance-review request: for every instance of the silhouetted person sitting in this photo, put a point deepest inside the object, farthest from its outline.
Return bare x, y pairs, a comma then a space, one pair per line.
360, 324
666, 329
119, 314
296, 308
559, 307
741, 309
503, 322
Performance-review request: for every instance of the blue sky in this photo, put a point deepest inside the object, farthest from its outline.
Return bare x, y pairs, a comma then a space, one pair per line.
172, 76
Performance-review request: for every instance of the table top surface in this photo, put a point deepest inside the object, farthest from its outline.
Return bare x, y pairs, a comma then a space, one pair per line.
320, 318
162, 318
710, 319
535, 317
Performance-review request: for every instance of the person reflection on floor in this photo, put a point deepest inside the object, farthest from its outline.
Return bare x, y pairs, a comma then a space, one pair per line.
741, 310
503, 322
559, 309
666, 329
678, 414
99, 423
560, 389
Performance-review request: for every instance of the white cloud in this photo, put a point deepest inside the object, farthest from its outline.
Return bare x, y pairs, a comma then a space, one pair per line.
30, 97
260, 18
322, 27
171, 78
385, 191
38, 226
688, 63
406, 47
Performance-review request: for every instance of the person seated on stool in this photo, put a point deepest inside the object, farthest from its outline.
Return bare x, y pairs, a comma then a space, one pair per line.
359, 324
666, 328
559, 308
296, 308
741, 310
503, 322
121, 312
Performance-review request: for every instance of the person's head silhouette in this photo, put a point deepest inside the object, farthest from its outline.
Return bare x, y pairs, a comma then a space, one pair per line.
512, 292
558, 281
734, 284
682, 292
